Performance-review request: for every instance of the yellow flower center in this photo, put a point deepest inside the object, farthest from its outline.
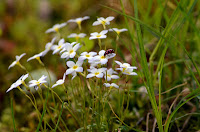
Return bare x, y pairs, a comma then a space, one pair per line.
87, 55
75, 67
118, 32
124, 69
109, 75
102, 57
78, 22
59, 47
103, 22
98, 36
56, 29
97, 73
71, 51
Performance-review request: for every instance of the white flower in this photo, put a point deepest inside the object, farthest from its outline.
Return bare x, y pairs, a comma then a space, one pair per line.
70, 50
74, 67
118, 31
103, 21
56, 27
86, 55
109, 75
37, 57
77, 36
111, 85
60, 81
125, 65
101, 58
18, 82
79, 20
48, 46
100, 35
16, 62
96, 72
37, 83
129, 71
57, 48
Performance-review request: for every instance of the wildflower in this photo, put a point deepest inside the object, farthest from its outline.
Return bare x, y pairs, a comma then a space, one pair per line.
79, 20
57, 48
48, 46
71, 51
37, 83
37, 57
77, 36
18, 82
129, 71
103, 21
109, 74
86, 55
60, 81
56, 28
101, 58
74, 67
125, 66
96, 72
111, 85
118, 31
100, 35
16, 62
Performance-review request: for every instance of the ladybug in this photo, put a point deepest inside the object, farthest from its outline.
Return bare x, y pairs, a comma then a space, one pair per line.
109, 51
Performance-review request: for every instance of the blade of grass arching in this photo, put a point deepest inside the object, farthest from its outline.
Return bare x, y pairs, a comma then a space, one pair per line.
147, 75
59, 117
127, 26
43, 113
160, 87
192, 74
190, 96
176, 30
166, 32
13, 117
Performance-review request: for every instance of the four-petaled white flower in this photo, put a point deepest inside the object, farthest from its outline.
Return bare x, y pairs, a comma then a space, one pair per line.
94, 72
110, 75
101, 58
118, 31
18, 82
124, 66
79, 20
60, 81
111, 85
56, 27
129, 71
100, 35
37, 57
16, 62
37, 83
70, 50
48, 46
77, 36
103, 21
74, 67
86, 55
57, 48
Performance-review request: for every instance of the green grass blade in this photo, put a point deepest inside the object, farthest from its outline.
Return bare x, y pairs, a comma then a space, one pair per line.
59, 117
147, 75
13, 117
43, 113
192, 95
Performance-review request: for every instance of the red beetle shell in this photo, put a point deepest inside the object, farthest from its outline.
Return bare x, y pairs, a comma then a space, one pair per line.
109, 51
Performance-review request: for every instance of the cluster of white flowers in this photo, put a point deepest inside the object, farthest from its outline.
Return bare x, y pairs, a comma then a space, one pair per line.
68, 51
